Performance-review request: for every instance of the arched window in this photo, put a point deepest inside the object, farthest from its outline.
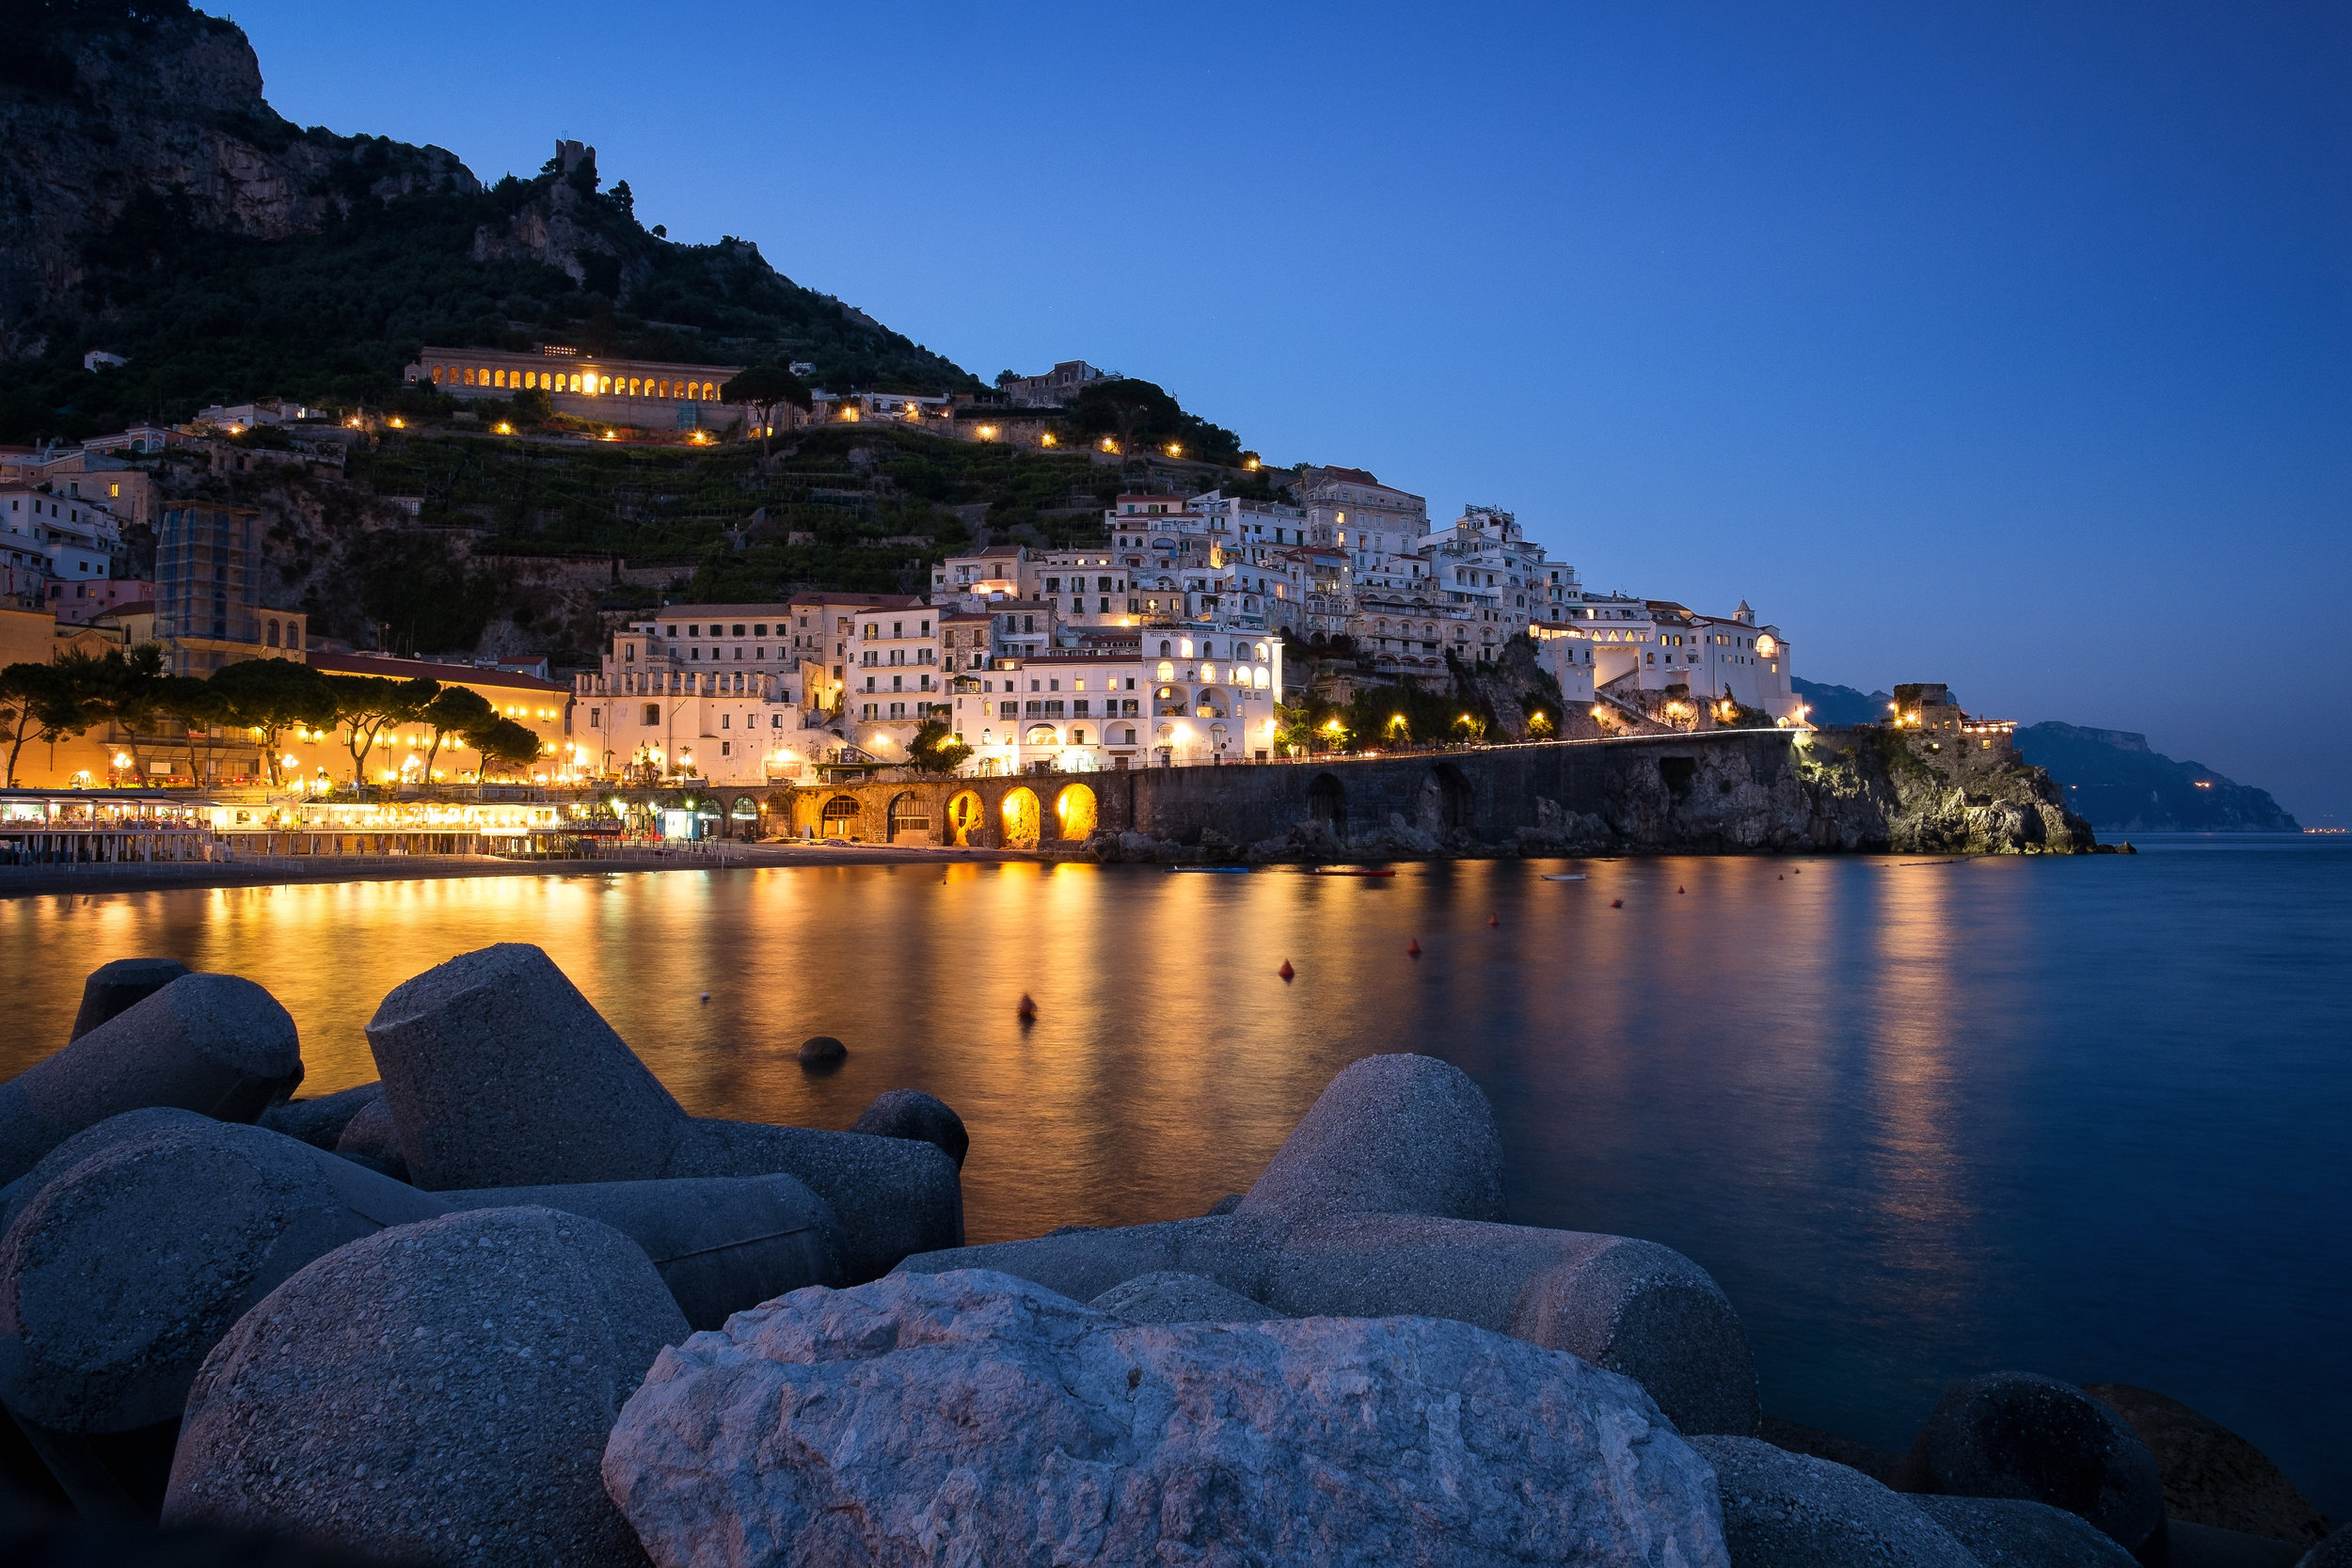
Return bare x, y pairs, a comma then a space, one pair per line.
436, 375
272, 637
1262, 650
1165, 651
1167, 671
470, 376
711, 391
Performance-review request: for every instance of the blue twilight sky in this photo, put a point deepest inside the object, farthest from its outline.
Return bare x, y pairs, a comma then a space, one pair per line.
2004, 345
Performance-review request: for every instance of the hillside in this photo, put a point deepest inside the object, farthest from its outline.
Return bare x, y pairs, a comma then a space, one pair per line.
2115, 780
152, 204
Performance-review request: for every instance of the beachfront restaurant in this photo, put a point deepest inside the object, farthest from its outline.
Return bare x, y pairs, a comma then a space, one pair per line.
101, 827
508, 828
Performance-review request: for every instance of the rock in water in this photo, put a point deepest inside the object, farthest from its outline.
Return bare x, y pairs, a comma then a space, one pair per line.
320, 1122
1397, 1134
210, 1043
2018, 1434
913, 1113
822, 1051
124, 1269
439, 1391
2010, 1532
970, 1417
1783, 1510
2211, 1475
114, 989
1172, 1296
499, 1073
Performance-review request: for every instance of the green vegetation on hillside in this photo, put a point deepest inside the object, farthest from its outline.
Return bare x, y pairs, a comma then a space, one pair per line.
333, 317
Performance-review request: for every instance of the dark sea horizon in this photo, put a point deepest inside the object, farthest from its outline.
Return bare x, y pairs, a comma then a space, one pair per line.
1921, 1117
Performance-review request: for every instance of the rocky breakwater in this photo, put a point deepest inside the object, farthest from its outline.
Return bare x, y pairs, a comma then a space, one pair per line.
228, 1324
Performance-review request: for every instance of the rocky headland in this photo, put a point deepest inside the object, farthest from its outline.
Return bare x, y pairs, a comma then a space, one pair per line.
511, 1305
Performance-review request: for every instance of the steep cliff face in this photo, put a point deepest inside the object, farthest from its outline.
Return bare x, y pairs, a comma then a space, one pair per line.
1873, 788
111, 127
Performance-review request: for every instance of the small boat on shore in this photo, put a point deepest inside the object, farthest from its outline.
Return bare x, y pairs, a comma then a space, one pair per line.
1355, 871
1563, 876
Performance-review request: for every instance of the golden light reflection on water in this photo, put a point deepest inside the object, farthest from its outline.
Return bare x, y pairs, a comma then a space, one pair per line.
1167, 1059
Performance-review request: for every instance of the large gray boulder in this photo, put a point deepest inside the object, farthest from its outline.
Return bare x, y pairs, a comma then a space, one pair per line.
440, 1391
1172, 1296
2019, 1434
210, 1043
1783, 1510
370, 1137
721, 1244
2010, 1532
1397, 1134
913, 1113
1626, 1306
499, 1073
119, 1274
320, 1121
2211, 1475
114, 989
971, 1418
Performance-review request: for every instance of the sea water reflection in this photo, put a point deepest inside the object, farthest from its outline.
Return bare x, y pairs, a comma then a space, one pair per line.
1920, 1120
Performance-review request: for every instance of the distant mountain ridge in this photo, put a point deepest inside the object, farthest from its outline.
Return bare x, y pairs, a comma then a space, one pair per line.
2113, 778
152, 204
1840, 704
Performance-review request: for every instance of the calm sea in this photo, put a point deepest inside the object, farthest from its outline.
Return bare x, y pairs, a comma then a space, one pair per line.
1919, 1117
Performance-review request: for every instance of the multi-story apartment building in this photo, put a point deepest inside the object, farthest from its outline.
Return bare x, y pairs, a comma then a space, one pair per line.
1650, 645
894, 678
1183, 694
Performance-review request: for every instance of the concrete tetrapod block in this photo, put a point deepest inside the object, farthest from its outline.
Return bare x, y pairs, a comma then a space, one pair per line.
499, 1073
116, 987
973, 1418
2019, 1434
2010, 1532
1171, 1296
442, 1390
2334, 1552
1630, 1306
1783, 1510
371, 1139
320, 1122
913, 1113
1398, 1134
2211, 1475
890, 1196
119, 1274
212, 1043
721, 1244
120, 1271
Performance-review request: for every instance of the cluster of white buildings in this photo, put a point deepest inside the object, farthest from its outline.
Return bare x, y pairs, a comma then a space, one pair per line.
1162, 643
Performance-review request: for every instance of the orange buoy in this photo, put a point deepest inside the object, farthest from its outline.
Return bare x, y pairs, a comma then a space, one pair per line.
1616, 903
1494, 920
1028, 1006
1286, 971
1412, 948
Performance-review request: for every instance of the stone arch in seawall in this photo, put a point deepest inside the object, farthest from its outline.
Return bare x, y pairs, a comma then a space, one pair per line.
1052, 811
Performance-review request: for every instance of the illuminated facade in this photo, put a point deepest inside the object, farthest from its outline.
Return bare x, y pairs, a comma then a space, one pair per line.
1186, 695
643, 393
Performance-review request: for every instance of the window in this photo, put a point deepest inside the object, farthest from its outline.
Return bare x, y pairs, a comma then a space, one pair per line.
739, 629
653, 713
1007, 710
726, 747
595, 717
